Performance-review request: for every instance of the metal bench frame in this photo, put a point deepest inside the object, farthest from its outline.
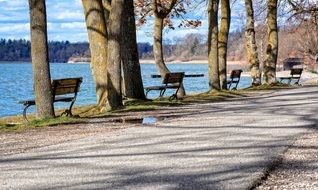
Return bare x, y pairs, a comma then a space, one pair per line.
235, 78
170, 81
295, 74
59, 87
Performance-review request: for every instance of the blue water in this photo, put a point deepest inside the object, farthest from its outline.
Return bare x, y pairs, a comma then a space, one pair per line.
16, 82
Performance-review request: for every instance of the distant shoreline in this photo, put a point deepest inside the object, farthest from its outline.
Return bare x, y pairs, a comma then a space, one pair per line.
152, 61
146, 61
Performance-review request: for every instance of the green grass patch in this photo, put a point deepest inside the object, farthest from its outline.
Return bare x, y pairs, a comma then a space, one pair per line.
155, 102
312, 71
53, 121
273, 86
213, 95
20, 127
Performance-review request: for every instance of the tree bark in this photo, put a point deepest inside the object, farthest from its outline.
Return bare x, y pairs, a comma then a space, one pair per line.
272, 43
114, 96
160, 15
223, 39
157, 47
251, 47
131, 66
97, 36
40, 60
214, 80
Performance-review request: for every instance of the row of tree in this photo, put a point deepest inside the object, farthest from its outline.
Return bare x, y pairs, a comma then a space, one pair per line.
59, 52
114, 54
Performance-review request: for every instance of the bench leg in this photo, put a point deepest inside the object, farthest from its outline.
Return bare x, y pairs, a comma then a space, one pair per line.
68, 112
289, 81
297, 82
147, 91
230, 85
162, 92
25, 112
173, 96
70, 109
235, 88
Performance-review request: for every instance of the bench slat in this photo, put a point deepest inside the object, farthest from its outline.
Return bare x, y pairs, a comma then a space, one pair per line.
60, 90
173, 78
155, 87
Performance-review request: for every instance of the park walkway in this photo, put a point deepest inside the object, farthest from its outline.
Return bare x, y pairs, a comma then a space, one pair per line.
223, 145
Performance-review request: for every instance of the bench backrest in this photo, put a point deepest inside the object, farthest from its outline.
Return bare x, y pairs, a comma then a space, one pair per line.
66, 86
236, 74
296, 71
173, 78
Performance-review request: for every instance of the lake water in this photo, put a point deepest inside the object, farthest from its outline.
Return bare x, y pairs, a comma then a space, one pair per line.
16, 82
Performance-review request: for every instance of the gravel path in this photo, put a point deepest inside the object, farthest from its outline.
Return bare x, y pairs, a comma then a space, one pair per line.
19, 142
299, 167
224, 145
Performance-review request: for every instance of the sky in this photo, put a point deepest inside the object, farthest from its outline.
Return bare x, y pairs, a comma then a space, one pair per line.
66, 21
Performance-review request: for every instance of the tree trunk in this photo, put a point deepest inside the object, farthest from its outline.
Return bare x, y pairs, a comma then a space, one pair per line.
131, 66
114, 55
214, 80
40, 60
223, 39
272, 43
158, 51
251, 47
97, 36
157, 47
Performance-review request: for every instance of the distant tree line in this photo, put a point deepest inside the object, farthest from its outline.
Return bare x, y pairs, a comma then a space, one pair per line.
15, 50
191, 46
20, 50
59, 52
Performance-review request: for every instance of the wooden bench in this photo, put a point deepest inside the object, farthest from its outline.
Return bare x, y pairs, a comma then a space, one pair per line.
234, 79
295, 74
170, 81
63, 90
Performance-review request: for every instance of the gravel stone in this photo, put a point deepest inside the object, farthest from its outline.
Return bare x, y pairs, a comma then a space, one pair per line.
299, 167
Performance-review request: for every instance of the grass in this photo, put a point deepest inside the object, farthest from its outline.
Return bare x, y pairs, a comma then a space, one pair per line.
312, 71
20, 127
212, 96
273, 86
17, 124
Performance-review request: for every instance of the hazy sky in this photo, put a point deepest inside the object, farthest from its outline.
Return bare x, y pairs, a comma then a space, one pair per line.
66, 21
